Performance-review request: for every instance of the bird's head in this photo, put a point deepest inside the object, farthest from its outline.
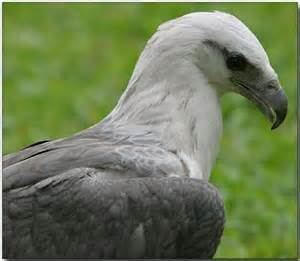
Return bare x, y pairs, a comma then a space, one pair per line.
228, 55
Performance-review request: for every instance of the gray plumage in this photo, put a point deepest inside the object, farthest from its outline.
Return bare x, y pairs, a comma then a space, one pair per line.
136, 184
78, 215
115, 153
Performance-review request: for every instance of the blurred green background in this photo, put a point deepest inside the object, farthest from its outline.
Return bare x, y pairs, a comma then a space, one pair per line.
66, 65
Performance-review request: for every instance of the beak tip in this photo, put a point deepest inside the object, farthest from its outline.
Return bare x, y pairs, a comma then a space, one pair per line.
280, 109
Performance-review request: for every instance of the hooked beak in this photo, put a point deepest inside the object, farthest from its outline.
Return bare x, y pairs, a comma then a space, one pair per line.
270, 99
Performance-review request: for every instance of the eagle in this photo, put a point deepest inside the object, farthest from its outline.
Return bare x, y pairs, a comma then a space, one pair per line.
136, 184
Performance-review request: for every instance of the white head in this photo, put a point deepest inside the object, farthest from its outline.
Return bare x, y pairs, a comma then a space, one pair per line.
184, 69
226, 53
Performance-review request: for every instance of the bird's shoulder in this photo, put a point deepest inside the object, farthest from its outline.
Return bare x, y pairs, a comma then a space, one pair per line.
113, 153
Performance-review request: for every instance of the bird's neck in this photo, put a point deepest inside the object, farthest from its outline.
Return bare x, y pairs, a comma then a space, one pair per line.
175, 102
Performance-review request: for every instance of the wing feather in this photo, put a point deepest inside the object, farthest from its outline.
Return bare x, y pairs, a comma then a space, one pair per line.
77, 214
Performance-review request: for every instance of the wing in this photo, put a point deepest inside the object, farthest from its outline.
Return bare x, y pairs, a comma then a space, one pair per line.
111, 160
116, 152
78, 214
100, 133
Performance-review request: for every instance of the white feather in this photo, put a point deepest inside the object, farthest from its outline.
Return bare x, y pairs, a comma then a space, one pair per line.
178, 81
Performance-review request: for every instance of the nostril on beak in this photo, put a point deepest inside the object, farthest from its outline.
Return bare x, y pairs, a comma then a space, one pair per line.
272, 85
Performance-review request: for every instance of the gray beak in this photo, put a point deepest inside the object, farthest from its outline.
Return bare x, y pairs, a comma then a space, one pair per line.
270, 99
278, 103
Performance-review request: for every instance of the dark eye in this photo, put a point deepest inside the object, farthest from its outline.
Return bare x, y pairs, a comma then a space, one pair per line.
236, 62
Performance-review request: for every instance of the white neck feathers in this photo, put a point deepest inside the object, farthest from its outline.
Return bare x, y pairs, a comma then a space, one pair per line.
172, 98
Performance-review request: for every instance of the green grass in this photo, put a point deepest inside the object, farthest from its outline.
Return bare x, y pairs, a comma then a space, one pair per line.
65, 65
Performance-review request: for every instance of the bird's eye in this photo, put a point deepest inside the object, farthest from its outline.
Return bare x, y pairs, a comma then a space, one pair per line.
236, 62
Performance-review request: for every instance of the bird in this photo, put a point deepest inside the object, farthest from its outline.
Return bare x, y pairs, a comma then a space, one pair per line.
136, 184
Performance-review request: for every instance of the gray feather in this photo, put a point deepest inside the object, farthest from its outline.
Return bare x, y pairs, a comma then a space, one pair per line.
79, 215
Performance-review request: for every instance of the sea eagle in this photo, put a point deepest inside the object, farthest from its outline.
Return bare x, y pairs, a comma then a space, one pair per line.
136, 184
